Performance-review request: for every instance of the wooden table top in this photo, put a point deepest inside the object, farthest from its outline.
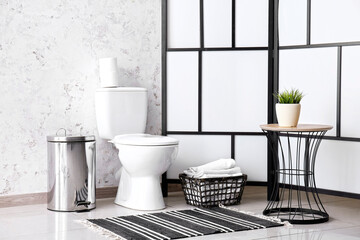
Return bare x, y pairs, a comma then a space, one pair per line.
299, 128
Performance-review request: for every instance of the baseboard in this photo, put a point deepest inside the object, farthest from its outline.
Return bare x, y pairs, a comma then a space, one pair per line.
256, 183
40, 198
174, 187
22, 199
110, 192
320, 190
106, 192
330, 192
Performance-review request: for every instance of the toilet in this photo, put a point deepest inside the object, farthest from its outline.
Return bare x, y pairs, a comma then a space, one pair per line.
121, 114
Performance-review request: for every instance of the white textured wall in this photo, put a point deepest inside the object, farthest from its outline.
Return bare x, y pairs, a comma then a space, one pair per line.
49, 73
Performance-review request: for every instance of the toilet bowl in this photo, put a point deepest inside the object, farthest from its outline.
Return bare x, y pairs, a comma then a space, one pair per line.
121, 114
144, 159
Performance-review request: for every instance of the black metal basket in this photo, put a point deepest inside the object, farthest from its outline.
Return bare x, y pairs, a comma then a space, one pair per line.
208, 192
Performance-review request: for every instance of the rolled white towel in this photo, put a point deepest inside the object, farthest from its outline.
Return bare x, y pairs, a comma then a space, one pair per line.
235, 171
220, 164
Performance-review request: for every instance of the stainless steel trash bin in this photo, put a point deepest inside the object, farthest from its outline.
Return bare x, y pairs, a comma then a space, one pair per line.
71, 173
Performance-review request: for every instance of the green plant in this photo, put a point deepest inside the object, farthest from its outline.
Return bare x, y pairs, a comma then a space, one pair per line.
293, 96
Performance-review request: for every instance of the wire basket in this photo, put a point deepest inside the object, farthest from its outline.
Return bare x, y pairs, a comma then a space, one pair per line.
207, 192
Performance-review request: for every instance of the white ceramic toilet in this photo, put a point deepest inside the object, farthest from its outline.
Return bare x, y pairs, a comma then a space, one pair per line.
121, 116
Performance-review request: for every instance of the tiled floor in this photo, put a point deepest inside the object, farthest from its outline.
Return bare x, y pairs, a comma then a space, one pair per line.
36, 222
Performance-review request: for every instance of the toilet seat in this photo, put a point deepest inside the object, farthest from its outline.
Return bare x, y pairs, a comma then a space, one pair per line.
144, 140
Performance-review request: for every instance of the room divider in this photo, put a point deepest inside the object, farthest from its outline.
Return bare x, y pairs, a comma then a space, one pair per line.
222, 60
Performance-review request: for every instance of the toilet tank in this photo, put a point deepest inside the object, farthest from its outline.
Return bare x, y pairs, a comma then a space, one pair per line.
120, 110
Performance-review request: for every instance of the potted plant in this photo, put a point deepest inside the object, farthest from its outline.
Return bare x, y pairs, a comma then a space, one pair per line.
288, 108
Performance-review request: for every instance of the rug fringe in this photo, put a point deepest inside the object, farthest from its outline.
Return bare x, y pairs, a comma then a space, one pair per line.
272, 219
100, 230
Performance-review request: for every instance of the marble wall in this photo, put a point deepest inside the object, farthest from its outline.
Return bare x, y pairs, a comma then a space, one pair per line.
49, 54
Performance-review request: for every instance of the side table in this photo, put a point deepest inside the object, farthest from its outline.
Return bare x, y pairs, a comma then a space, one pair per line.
294, 195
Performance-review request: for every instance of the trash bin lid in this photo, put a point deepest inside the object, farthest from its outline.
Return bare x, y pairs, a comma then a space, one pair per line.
70, 138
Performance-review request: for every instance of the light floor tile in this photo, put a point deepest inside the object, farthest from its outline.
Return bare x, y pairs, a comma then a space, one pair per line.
314, 236
79, 234
38, 223
346, 211
349, 232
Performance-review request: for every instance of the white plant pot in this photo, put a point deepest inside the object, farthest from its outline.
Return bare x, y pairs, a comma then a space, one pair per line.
288, 114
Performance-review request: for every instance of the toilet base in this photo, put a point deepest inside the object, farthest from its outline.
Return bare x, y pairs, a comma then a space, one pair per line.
140, 193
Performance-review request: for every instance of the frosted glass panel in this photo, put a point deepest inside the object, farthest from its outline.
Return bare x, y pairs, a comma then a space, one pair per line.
350, 86
234, 90
195, 150
335, 21
217, 23
314, 71
183, 23
251, 156
292, 22
251, 23
337, 166
182, 91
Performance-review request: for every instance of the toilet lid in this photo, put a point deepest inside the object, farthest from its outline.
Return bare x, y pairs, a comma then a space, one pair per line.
144, 140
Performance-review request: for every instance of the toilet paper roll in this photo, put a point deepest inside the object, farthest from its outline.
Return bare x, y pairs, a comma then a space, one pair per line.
108, 72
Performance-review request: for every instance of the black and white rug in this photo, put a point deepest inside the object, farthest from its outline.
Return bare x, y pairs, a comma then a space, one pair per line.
180, 224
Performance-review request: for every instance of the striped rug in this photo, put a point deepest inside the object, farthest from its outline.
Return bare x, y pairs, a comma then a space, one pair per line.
180, 224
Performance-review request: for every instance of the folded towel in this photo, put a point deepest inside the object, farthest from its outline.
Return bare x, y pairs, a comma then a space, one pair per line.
216, 169
236, 171
220, 175
220, 164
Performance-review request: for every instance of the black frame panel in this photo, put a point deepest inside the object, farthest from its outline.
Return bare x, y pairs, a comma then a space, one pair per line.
273, 49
